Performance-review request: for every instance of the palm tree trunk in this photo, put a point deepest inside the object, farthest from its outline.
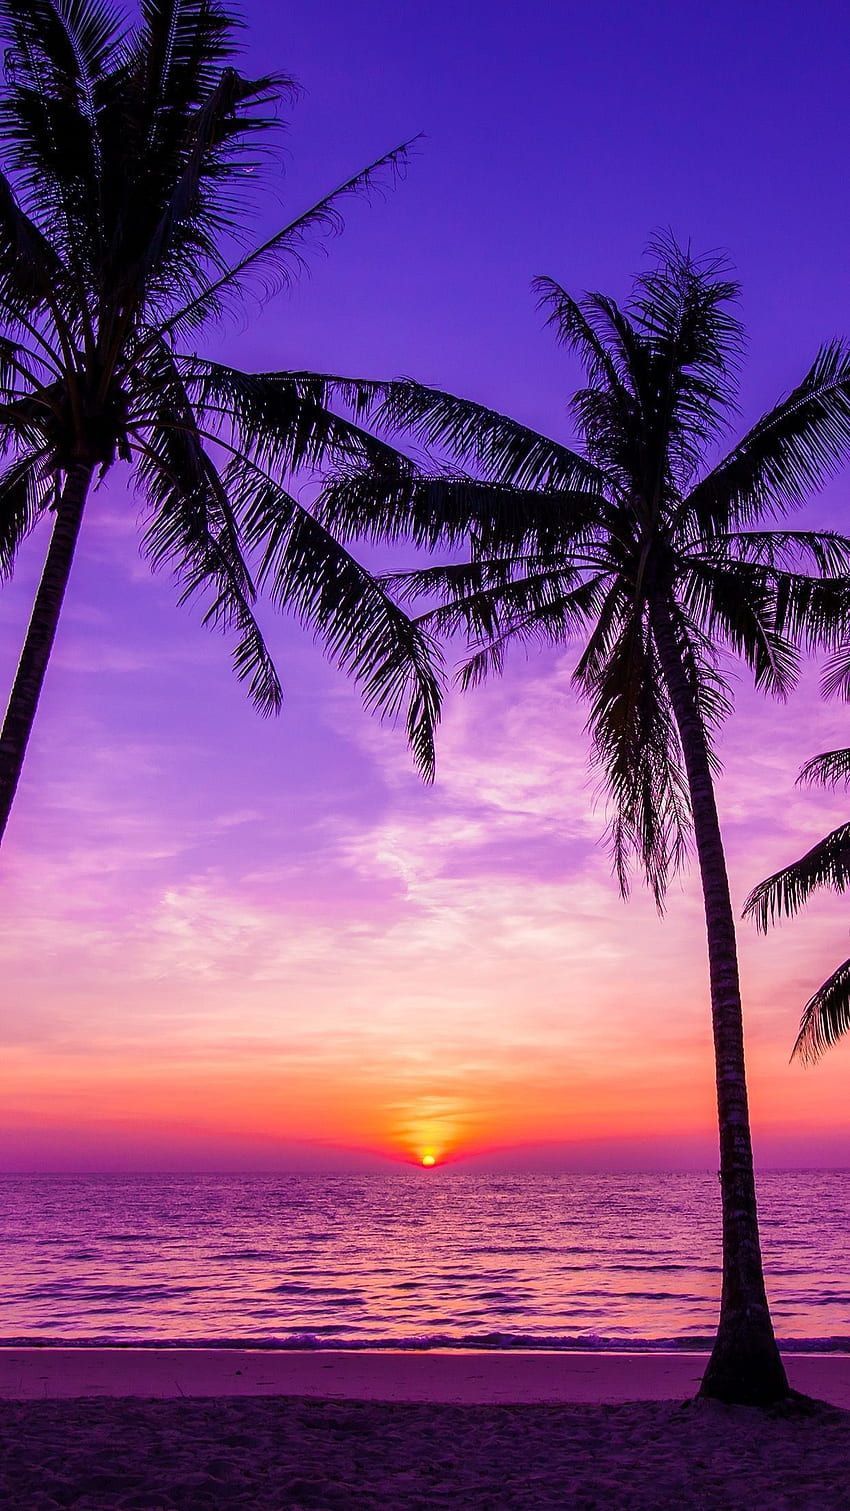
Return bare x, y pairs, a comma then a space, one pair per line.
41, 633
745, 1365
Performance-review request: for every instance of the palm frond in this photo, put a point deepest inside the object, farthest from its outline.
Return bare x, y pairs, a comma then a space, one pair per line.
535, 602
191, 531
172, 413
274, 264
826, 1016
444, 509
636, 750
31, 272
709, 687
689, 340
576, 329
169, 248
826, 770
26, 490
827, 864
835, 679
795, 607
813, 612
615, 611
364, 631
530, 614
184, 131
454, 582
789, 454
827, 550
486, 442
615, 330
684, 306
180, 49
58, 52
736, 602
284, 420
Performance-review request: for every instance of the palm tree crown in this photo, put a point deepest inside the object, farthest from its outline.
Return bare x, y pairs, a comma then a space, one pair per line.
125, 154
593, 544
659, 563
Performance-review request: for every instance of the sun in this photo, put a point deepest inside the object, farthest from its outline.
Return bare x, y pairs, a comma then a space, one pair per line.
428, 1160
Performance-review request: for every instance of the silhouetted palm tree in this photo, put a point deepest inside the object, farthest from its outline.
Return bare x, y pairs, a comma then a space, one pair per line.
826, 1015
640, 549
125, 156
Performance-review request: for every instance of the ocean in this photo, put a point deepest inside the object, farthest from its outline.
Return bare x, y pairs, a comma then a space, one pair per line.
409, 1259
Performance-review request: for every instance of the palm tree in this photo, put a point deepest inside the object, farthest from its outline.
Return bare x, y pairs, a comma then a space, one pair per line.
826, 1015
650, 556
124, 157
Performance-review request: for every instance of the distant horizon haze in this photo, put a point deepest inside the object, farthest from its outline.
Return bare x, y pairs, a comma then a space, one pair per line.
589, 1157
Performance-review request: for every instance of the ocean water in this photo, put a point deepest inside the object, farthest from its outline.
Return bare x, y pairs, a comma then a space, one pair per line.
408, 1259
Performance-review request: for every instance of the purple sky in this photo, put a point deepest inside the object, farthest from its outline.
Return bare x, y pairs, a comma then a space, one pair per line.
231, 942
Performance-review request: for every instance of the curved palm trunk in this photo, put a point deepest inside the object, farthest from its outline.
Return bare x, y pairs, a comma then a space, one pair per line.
745, 1365
29, 678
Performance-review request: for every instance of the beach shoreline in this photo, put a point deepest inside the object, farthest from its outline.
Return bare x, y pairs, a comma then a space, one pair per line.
440, 1376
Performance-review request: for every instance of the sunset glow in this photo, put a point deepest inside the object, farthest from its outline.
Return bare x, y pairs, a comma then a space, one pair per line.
236, 943
187, 989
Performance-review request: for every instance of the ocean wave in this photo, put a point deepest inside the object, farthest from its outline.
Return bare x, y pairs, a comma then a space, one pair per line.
573, 1263
323, 1340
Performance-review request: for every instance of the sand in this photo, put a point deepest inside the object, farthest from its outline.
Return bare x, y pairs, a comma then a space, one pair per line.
470, 1376
562, 1443
270, 1452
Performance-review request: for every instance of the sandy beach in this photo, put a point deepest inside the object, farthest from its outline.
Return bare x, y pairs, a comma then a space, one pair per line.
185, 1429
444, 1376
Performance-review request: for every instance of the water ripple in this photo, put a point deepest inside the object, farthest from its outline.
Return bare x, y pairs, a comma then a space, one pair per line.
406, 1259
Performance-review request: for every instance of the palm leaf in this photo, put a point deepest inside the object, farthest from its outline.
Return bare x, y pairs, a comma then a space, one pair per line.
835, 679
442, 509
26, 490
192, 531
31, 272
183, 240
365, 633
489, 443
636, 750
736, 603
181, 47
548, 604
788, 454
826, 1016
283, 420
280, 258
827, 550
827, 864
534, 613
690, 341
58, 53
826, 770
577, 330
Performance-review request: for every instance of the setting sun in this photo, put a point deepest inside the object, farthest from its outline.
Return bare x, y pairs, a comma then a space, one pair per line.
429, 1159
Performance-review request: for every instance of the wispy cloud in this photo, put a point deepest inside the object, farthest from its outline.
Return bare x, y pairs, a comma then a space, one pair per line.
282, 926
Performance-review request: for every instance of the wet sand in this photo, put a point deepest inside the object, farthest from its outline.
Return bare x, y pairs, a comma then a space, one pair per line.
85, 1432
442, 1375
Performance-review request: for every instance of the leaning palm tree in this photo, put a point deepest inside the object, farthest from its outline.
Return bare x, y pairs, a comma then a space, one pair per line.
826, 1015
640, 549
125, 154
